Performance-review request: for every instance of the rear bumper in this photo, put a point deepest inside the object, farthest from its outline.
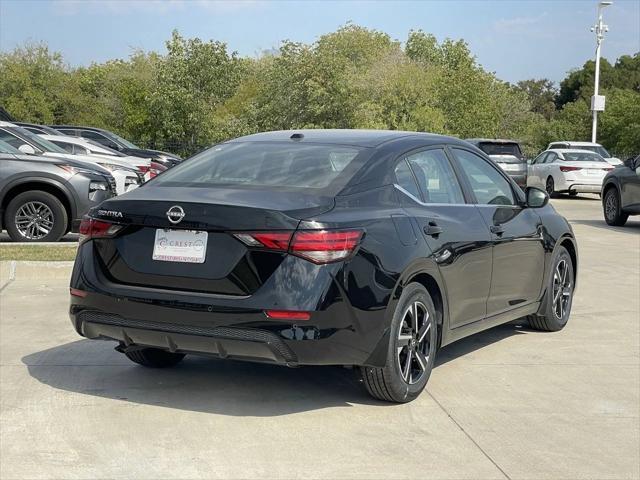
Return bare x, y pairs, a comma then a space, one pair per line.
519, 178
241, 343
585, 188
338, 333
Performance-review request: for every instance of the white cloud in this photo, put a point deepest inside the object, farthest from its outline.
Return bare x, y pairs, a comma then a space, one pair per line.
517, 24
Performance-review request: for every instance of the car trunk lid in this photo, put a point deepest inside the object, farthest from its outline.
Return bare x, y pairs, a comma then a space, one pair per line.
227, 266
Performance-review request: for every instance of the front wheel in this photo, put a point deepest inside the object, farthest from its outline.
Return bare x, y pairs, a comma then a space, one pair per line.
560, 295
35, 216
411, 352
613, 214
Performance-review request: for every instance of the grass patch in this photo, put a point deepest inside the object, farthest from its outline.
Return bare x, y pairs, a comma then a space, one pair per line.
37, 252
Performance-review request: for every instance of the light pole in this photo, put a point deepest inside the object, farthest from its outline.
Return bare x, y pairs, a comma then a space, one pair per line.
597, 101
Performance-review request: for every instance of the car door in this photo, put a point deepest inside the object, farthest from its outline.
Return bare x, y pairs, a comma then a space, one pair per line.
629, 178
533, 178
454, 230
516, 233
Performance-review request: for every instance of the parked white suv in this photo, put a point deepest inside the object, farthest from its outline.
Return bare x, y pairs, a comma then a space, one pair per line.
590, 146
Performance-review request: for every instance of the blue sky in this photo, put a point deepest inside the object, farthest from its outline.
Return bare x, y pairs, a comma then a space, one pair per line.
516, 39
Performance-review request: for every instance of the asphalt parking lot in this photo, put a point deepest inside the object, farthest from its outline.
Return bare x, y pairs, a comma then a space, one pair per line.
507, 403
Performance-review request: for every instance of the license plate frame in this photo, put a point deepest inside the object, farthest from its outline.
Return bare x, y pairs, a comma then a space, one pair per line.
180, 246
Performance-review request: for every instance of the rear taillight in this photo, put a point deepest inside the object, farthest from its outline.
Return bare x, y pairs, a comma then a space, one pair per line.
152, 170
570, 169
325, 246
92, 228
317, 246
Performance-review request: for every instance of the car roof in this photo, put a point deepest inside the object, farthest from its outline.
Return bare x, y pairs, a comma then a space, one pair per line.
490, 140
7, 124
95, 129
570, 150
360, 138
577, 144
64, 138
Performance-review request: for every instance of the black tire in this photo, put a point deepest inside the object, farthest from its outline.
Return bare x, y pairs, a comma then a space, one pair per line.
556, 317
154, 357
51, 216
613, 214
389, 383
550, 186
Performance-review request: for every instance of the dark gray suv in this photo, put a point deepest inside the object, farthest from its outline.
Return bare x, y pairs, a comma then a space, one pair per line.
43, 198
507, 154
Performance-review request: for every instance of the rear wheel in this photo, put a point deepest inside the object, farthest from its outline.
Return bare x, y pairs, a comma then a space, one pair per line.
613, 214
550, 187
560, 291
154, 357
35, 216
412, 349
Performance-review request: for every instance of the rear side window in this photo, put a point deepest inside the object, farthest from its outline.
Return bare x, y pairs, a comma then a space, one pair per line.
268, 164
488, 185
405, 178
436, 177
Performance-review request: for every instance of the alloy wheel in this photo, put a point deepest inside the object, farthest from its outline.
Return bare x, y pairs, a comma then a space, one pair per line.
34, 220
562, 289
611, 205
413, 345
550, 186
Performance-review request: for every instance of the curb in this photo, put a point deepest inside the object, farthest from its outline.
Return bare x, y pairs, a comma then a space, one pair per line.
11, 270
38, 244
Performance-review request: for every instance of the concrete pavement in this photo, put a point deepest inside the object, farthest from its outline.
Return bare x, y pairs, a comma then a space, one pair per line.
507, 403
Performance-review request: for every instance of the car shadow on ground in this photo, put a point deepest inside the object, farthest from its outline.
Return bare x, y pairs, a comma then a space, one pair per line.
631, 227
210, 385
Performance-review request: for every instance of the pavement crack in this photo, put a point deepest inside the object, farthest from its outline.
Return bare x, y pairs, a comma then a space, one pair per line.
12, 275
469, 436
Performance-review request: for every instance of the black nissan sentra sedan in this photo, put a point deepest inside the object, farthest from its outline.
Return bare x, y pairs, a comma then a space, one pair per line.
323, 247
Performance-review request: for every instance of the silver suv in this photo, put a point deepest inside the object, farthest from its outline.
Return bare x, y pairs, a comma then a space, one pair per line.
43, 198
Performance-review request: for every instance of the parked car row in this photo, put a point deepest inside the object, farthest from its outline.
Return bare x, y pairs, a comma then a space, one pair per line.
572, 167
27, 168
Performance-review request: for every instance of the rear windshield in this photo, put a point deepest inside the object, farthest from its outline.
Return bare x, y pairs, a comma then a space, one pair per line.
594, 148
582, 157
501, 149
267, 164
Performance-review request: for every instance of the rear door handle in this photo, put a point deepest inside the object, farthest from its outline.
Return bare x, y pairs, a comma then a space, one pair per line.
497, 229
432, 229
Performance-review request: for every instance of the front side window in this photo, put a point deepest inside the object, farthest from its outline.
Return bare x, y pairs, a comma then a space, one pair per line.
98, 137
488, 185
67, 146
436, 177
12, 140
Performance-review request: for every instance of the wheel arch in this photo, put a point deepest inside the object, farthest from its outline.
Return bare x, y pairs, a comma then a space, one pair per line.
45, 185
569, 244
427, 274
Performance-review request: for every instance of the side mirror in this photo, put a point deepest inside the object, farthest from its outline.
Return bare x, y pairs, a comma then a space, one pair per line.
28, 149
536, 198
